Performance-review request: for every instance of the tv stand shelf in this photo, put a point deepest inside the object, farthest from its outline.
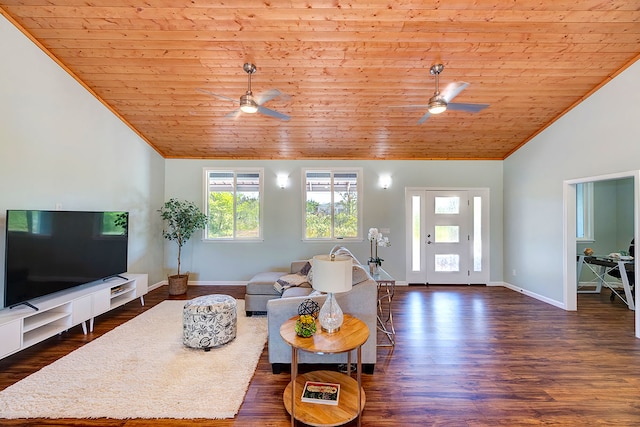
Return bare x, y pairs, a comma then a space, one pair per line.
22, 326
48, 317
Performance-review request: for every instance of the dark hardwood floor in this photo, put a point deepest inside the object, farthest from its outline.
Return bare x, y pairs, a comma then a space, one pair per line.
465, 356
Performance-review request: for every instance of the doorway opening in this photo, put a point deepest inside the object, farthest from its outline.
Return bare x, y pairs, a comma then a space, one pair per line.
570, 241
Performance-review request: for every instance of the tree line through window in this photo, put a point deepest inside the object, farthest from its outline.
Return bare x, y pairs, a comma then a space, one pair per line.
332, 204
234, 200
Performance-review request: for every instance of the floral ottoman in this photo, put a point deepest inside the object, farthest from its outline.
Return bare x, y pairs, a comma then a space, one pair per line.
209, 321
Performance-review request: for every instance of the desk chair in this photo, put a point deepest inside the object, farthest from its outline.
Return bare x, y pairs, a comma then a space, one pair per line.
630, 271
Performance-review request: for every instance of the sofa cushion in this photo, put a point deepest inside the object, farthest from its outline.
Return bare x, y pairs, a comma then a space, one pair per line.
262, 283
297, 292
267, 277
359, 275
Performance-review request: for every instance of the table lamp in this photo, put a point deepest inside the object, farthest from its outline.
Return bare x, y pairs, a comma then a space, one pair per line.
331, 274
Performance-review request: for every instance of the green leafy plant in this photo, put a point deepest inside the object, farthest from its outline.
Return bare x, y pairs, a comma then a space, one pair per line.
182, 218
305, 325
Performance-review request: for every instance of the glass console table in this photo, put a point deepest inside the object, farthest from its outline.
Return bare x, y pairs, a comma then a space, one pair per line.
386, 289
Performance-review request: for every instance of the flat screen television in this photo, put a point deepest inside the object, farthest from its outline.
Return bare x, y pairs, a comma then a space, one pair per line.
50, 251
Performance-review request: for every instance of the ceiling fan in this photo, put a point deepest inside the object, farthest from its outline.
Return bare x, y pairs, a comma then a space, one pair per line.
441, 101
248, 103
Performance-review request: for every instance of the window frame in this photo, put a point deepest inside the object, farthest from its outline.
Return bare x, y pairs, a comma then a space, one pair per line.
585, 212
206, 192
359, 203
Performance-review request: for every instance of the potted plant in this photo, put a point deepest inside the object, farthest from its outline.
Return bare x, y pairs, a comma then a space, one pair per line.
376, 239
182, 219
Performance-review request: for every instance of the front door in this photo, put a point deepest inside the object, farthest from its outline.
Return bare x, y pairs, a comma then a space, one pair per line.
447, 243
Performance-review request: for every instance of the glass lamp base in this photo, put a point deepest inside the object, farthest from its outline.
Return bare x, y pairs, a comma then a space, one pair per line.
331, 315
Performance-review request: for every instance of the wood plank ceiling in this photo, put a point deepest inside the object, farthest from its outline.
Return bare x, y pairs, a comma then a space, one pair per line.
349, 71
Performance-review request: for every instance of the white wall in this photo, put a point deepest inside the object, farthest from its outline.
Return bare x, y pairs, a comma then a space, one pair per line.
600, 136
283, 213
59, 145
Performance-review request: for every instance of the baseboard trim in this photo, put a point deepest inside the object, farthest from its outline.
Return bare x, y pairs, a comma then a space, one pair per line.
534, 295
202, 283
514, 288
217, 282
157, 285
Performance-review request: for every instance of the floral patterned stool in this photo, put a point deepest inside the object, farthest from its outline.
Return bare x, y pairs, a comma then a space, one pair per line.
209, 321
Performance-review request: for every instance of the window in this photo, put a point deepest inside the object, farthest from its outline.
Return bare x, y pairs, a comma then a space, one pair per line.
584, 211
234, 204
332, 204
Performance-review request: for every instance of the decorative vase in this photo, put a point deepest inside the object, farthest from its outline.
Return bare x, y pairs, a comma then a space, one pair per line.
305, 326
373, 268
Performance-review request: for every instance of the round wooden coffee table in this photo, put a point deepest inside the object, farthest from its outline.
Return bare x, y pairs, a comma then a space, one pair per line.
351, 336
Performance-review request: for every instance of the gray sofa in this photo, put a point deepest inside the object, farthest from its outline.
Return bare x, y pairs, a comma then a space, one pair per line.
260, 288
361, 302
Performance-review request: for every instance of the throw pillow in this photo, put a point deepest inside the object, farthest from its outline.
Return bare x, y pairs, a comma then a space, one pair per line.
305, 270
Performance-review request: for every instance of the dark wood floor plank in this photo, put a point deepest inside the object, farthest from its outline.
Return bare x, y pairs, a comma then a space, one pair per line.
465, 356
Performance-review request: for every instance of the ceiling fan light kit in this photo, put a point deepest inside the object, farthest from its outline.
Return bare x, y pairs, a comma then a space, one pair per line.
247, 104
437, 105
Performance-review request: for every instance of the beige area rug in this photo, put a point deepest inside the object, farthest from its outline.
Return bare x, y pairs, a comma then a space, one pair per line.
141, 370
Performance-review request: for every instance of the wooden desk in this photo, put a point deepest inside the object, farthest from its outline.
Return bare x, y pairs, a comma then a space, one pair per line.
351, 336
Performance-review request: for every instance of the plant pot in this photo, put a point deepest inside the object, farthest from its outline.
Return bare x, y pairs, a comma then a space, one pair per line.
178, 284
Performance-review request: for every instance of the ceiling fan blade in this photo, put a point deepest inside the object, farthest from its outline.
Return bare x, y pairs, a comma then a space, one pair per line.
470, 108
452, 90
218, 96
268, 96
233, 114
269, 112
424, 118
409, 106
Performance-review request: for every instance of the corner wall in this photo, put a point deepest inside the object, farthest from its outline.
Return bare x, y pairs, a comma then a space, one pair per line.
600, 136
60, 147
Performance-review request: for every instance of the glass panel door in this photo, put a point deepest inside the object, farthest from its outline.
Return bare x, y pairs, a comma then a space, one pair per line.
447, 236
448, 239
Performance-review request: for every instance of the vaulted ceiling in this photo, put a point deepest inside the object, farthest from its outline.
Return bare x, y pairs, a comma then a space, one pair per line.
353, 76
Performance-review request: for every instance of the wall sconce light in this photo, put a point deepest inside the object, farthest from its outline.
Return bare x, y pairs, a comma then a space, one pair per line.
385, 181
282, 180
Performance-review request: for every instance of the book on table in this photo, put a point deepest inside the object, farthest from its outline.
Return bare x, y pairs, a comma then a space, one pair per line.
318, 392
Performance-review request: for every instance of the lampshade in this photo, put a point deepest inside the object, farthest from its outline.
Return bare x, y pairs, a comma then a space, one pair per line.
332, 275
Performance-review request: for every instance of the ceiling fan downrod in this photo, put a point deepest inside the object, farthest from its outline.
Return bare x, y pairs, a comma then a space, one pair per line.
247, 103
437, 104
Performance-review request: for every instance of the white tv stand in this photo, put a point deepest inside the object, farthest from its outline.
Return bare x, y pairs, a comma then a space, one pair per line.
22, 326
